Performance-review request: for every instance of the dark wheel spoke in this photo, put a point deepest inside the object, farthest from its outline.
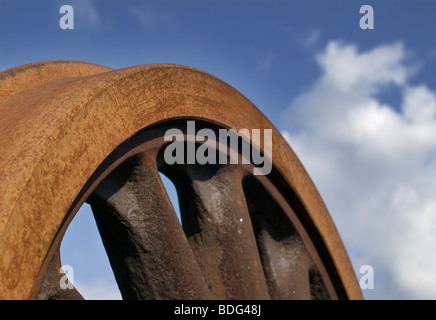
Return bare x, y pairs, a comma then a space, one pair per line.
289, 268
286, 267
145, 242
218, 226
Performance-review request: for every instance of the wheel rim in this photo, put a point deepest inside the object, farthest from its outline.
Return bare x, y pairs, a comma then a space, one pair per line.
254, 274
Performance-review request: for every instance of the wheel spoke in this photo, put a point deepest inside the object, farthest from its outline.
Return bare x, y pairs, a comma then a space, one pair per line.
286, 261
145, 242
286, 266
217, 223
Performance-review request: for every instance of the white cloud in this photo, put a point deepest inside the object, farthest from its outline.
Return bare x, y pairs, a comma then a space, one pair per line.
349, 71
373, 163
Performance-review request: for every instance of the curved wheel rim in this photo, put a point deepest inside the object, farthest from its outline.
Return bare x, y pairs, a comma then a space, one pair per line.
225, 250
204, 92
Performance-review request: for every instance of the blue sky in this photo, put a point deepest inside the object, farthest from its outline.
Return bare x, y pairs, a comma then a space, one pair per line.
357, 106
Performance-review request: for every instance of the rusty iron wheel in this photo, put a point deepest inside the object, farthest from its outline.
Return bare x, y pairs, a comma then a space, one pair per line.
75, 132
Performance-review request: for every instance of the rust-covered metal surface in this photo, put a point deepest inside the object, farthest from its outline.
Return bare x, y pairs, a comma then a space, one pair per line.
69, 133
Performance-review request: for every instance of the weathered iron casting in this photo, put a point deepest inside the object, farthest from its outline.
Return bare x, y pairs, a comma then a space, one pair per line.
72, 132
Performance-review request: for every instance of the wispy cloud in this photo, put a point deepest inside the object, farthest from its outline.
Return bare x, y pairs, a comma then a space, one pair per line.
99, 289
265, 62
374, 163
150, 18
310, 38
432, 53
